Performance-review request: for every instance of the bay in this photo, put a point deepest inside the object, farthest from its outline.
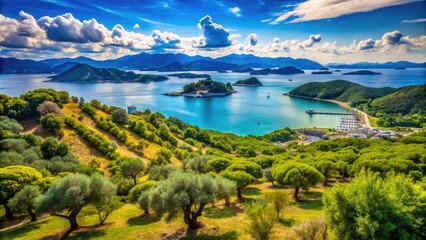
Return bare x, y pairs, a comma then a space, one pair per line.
239, 113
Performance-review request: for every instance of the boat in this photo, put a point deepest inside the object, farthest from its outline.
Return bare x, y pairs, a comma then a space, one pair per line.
268, 96
290, 80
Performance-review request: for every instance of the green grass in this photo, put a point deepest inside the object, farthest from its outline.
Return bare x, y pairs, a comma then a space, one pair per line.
219, 221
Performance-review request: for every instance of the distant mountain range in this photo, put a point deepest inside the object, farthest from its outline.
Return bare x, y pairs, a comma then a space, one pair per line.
182, 62
386, 65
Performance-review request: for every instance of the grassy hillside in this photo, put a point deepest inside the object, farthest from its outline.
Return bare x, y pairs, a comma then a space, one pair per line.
407, 100
87, 73
341, 90
99, 139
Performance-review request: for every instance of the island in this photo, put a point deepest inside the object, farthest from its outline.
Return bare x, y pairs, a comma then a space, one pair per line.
222, 71
265, 71
249, 82
283, 71
243, 70
324, 69
189, 75
205, 88
82, 73
400, 68
321, 72
362, 72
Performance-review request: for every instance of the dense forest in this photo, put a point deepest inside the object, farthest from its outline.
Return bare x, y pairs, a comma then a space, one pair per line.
207, 85
395, 107
80, 169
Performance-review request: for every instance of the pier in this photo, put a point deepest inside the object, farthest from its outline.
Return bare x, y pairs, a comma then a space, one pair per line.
311, 111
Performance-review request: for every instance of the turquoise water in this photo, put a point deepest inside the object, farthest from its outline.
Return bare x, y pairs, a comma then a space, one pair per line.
238, 113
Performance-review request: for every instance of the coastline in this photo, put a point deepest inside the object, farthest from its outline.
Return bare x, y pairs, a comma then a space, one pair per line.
344, 105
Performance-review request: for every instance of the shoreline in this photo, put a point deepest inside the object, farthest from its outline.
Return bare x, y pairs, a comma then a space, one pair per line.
341, 104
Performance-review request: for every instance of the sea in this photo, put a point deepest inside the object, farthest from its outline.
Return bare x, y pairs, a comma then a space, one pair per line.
248, 112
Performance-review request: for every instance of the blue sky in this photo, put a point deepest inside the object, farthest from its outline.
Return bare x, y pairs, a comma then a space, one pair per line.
280, 28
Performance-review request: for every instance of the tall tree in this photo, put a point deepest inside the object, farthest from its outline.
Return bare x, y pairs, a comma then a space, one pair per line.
187, 192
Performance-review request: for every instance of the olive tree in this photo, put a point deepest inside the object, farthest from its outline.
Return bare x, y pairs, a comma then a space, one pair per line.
104, 209
197, 164
12, 180
267, 174
131, 168
278, 199
120, 116
242, 179
48, 107
24, 201
261, 220
313, 229
371, 207
139, 194
185, 192
68, 195
298, 175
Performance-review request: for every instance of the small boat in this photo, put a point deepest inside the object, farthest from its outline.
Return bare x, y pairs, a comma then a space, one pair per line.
258, 122
290, 80
268, 96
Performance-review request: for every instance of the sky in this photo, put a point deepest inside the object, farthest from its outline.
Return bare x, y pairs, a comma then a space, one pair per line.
327, 31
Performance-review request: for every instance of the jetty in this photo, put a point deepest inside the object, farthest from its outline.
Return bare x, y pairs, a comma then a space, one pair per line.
311, 111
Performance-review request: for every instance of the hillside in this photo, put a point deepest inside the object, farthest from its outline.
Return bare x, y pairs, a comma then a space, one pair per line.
64, 66
132, 156
17, 66
407, 100
85, 73
341, 90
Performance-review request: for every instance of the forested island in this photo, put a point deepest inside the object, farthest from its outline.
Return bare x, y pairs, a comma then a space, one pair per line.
283, 71
405, 106
82, 73
249, 82
321, 72
80, 169
362, 72
204, 89
189, 75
